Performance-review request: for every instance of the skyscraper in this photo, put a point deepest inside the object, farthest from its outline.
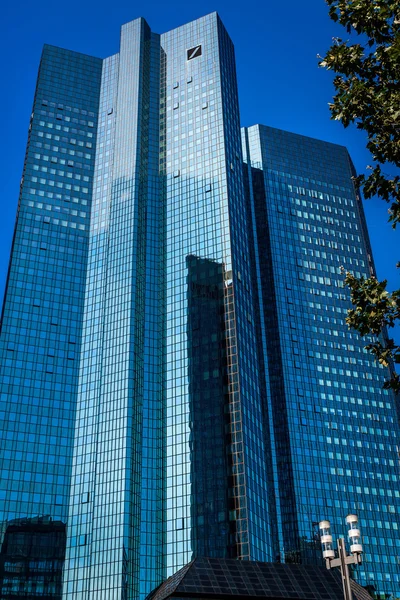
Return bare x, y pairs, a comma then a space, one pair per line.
41, 325
172, 340
336, 431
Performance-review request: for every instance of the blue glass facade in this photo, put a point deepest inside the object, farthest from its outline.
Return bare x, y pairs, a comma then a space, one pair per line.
168, 181
178, 380
336, 430
116, 505
207, 267
41, 324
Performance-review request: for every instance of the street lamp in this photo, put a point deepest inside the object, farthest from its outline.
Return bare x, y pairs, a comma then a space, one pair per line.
343, 559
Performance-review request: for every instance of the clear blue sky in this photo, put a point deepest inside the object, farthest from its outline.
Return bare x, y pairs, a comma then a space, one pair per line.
280, 83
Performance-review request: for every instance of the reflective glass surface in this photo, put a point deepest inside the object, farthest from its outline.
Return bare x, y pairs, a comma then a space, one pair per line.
115, 533
177, 378
336, 430
42, 314
216, 478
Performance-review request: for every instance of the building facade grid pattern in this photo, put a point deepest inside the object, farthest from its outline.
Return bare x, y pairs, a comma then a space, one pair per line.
177, 376
336, 428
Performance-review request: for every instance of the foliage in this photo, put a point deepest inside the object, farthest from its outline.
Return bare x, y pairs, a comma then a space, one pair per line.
367, 84
375, 308
368, 87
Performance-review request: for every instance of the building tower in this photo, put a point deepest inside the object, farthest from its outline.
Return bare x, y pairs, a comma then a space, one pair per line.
167, 225
336, 431
177, 380
41, 325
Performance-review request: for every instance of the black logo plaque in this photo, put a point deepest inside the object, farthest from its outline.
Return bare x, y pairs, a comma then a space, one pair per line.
194, 52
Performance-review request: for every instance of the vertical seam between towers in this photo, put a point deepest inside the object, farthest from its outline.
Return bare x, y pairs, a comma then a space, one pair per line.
271, 425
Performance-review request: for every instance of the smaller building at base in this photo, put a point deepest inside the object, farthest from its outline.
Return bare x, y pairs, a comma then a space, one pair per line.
32, 553
217, 578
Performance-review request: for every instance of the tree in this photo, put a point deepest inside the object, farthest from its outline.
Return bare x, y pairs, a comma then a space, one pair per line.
367, 84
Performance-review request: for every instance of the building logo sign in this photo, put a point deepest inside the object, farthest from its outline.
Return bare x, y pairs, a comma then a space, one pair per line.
194, 52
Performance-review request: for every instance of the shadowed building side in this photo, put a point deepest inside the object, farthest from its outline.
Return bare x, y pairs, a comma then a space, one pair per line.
209, 441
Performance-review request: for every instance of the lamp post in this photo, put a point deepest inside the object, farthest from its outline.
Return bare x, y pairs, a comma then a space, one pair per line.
343, 559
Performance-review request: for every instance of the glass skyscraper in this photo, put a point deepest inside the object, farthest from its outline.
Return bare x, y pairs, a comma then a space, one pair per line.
177, 378
41, 325
335, 446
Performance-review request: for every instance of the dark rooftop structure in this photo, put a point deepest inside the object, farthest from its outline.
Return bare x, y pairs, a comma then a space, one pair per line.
215, 578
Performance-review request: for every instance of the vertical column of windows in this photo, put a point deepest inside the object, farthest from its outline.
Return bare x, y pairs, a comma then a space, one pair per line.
79, 544
250, 445
151, 571
196, 231
116, 514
